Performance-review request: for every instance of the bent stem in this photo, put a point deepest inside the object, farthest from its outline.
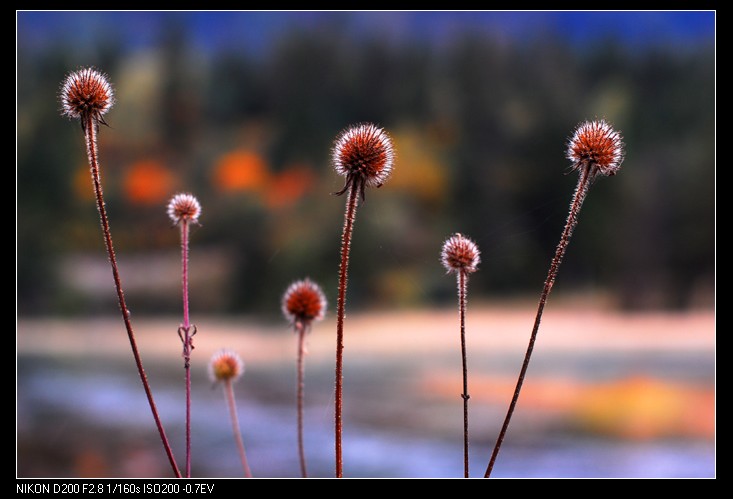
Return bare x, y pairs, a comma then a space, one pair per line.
462, 281
587, 174
229, 392
301, 330
90, 135
349, 217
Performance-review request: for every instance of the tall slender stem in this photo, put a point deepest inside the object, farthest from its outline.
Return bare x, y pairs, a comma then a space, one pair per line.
188, 411
587, 174
187, 340
229, 391
301, 330
90, 134
349, 217
462, 281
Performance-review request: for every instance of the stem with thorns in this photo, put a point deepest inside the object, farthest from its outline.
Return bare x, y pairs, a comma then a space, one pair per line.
587, 175
349, 217
300, 328
462, 281
90, 135
229, 391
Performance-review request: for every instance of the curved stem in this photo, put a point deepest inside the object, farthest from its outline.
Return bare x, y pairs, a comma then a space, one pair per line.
349, 217
462, 282
587, 173
90, 135
301, 330
229, 392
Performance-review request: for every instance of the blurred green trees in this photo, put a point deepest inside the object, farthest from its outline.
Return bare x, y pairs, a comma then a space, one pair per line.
479, 126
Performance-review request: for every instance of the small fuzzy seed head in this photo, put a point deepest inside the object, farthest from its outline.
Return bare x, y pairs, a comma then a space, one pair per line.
460, 254
598, 145
225, 365
304, 302
86, 93
364, 152
184, 206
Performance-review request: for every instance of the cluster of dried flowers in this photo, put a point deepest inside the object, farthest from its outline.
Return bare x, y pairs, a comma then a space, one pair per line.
364, 154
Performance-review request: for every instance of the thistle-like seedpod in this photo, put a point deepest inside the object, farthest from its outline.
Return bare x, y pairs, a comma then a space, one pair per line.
304, 302
86, 94
184, 206
597, 145
460, 254
225, 365
364, 155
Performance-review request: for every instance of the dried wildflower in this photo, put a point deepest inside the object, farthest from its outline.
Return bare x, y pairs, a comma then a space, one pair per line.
364, 155
597, 145
86, 94
225, 365
595, 149
184, 206
304, 302
460, 254
184, 209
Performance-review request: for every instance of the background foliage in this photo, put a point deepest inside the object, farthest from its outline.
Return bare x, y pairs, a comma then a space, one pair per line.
479, 116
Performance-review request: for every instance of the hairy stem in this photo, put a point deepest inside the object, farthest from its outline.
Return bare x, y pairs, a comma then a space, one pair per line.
301, 330
229, 391
187, 338
90, 134
349, 217
462, 285
587, 173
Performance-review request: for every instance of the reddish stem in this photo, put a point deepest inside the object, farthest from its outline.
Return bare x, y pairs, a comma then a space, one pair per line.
229, 392
349, 217
187, 339
587, 174
301, 330
462, 285
90, 135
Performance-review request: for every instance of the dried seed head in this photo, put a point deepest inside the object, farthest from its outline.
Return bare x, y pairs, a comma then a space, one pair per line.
598, 145
460, 254
184, 206
225, 365
364, 155
86, 93
304, 301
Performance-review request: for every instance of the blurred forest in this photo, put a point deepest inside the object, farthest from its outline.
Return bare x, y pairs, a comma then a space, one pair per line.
479, 122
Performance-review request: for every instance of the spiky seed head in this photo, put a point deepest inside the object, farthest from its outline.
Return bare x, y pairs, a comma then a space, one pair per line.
365, 152
598, 145
304, 302
460, 254
86, 93
184, 206
225, 365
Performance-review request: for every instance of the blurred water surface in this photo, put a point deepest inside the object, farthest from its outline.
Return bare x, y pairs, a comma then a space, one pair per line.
589, 408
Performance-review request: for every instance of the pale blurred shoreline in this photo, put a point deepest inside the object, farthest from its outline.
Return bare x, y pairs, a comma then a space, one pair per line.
489, 329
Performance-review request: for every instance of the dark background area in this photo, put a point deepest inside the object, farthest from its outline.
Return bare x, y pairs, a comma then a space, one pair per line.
241, 109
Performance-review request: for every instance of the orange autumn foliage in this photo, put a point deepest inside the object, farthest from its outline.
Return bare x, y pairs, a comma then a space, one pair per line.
148, 182
240, 171
289, 186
